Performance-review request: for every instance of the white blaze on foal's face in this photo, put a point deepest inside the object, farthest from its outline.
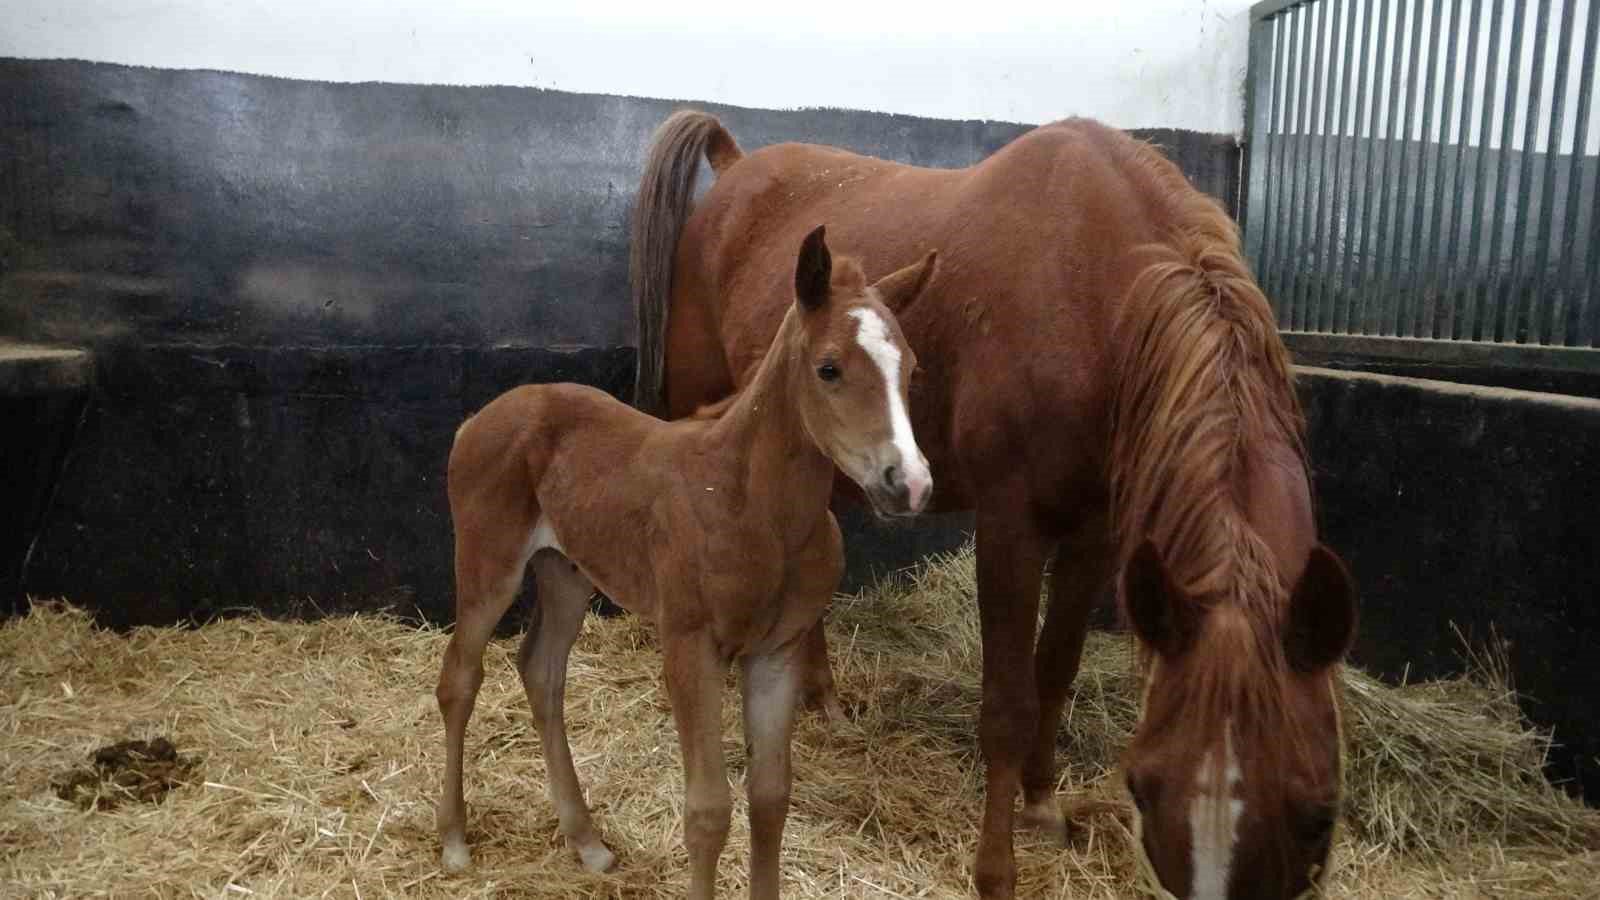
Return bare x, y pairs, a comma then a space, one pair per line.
1214, 813
900, 463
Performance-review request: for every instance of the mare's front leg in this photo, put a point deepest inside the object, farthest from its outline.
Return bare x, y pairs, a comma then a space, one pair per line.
771, 687
694, 676
1011, 557
563, 599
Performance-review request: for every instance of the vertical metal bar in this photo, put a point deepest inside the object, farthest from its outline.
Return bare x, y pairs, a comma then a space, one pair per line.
1257, 138
1582, 294
1472, 321
1282, 215
1517, 324
1548, 324
1592, 299
1430, 323
1508, 120
1332, 274
1297, 155
1378, 315
1392, 261
1358, 322
1272, 245
1311, 270
1355, 222
1410, 324
1458, 321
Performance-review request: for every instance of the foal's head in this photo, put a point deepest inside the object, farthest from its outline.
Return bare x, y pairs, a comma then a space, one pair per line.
1235, 768
851, 367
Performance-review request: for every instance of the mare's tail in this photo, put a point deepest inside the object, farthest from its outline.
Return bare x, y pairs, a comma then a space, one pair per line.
665, 193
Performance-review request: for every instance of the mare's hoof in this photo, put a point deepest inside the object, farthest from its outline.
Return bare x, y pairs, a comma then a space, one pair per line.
1046, 818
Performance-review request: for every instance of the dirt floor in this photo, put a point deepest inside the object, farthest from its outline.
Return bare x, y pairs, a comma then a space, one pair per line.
281, 759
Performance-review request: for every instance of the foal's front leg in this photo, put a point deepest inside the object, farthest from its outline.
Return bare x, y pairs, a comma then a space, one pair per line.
771, 687
694, 676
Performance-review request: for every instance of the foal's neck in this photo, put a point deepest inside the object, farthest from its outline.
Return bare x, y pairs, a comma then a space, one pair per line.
782, 465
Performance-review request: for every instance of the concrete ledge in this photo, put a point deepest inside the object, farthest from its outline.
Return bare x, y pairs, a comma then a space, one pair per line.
31, 369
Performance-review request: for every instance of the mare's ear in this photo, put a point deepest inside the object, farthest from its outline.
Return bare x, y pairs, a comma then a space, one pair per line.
1322, 613
898, 289
814, 271
1162, 616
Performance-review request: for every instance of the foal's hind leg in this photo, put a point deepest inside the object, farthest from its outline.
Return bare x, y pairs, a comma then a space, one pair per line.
563, 598
489, 566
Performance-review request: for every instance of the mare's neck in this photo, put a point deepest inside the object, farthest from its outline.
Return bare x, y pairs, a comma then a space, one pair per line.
783, 468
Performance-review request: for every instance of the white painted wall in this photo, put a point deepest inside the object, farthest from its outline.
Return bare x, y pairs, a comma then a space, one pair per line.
1132, 63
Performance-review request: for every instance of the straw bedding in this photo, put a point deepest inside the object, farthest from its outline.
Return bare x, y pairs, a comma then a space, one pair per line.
294, 759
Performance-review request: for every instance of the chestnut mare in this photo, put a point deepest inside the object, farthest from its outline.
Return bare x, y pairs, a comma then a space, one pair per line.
717, 529
1103, 384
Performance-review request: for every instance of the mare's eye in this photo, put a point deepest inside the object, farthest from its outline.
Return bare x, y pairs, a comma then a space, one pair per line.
1316, 826
828, 372
1138, 798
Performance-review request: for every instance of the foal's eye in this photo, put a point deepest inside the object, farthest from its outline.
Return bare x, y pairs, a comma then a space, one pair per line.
828, 372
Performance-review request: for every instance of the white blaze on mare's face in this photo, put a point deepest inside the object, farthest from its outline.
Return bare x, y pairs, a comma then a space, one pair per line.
873, 335
1214, 823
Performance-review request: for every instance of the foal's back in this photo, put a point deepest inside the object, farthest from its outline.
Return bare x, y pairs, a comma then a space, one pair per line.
595, 474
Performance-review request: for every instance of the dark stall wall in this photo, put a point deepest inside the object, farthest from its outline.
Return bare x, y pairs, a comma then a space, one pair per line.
1468, 511
295, 291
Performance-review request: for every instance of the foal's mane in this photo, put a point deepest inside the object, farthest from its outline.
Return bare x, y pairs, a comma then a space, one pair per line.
1202, 382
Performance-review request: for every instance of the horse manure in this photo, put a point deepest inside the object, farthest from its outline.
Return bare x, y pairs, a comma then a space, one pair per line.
138, 771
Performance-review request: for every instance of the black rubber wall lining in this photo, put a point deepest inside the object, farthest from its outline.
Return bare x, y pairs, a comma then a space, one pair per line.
296, 290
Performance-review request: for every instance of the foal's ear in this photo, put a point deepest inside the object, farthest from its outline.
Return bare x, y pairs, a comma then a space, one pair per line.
1159, 612
1322, 613
898, 289
814, 271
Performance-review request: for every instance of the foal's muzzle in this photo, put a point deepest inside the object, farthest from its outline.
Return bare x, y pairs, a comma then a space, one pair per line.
902, 491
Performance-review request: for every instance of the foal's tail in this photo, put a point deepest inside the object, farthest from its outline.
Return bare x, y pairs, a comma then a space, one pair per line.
665, 193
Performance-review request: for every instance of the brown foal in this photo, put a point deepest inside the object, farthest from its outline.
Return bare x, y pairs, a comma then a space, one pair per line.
716, 528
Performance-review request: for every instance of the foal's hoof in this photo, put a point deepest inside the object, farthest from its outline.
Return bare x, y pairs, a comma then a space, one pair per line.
1046, 818
455, 857
597, 858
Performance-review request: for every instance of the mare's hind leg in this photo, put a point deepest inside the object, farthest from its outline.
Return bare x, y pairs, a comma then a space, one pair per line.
818, 690
489, 564
1081, 573
563, 598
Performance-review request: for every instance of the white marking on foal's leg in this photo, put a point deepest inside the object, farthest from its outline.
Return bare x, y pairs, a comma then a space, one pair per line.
455, 856
1214, 823
544, 535
873, 336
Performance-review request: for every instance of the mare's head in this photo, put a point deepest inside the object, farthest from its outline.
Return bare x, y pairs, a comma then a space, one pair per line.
851, 367
1235, 767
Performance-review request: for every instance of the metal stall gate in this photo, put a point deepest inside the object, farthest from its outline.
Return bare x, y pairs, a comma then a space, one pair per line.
1421, 177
